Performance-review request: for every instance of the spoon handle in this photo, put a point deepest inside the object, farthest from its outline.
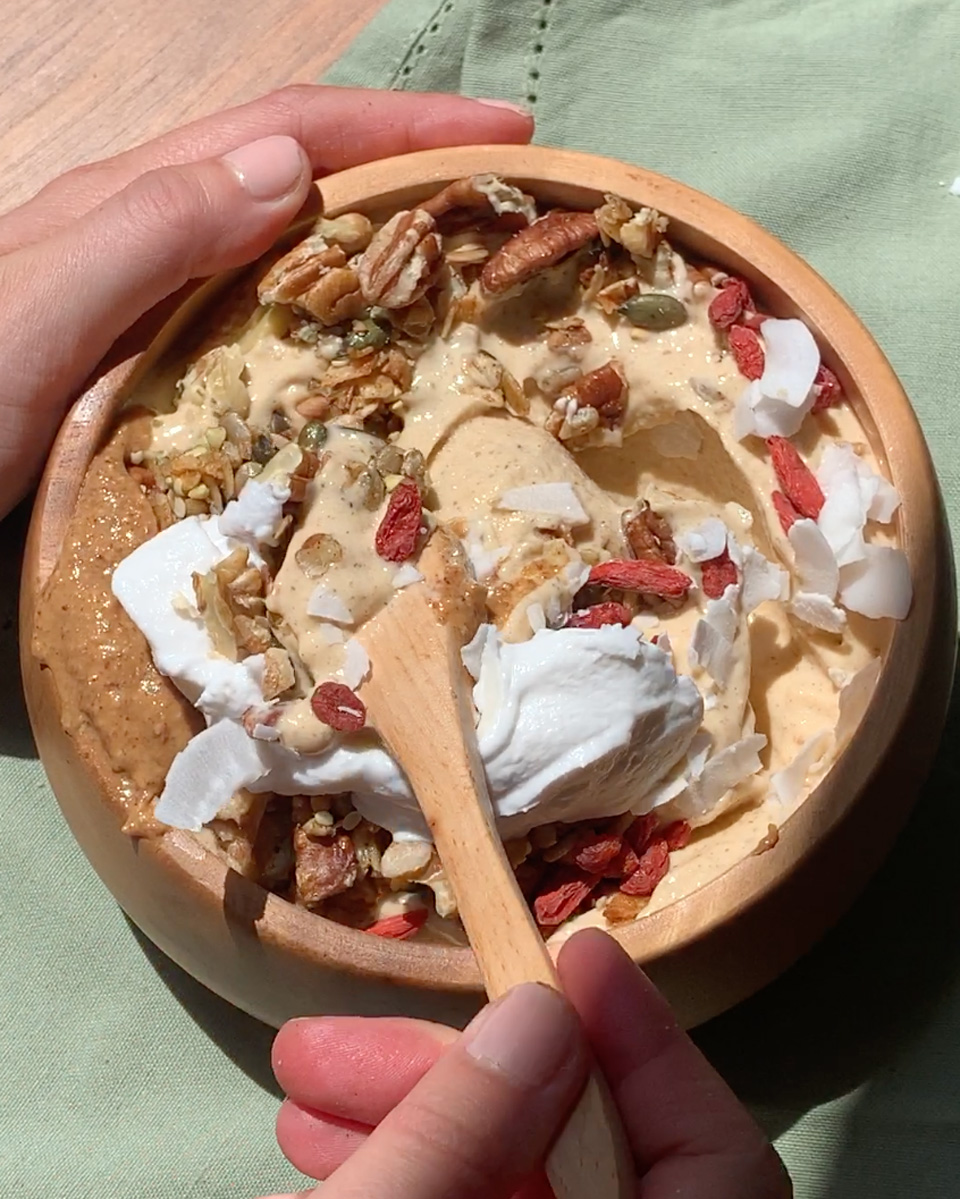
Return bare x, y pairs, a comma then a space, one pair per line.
424, 714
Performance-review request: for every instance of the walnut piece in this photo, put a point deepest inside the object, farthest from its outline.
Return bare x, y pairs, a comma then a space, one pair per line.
638, 232
538, 246
401, 261
324, 866
278, 674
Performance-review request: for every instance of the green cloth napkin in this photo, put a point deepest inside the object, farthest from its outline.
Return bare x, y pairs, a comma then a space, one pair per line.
835, 126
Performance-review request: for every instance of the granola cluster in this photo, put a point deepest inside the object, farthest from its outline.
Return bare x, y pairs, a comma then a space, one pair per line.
362, 301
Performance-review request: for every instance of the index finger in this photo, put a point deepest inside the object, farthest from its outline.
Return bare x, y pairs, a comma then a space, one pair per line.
337, 127
689, 1132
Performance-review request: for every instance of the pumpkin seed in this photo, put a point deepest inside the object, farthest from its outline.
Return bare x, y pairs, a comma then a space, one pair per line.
654, 311
262, 449
318, 552
313, 435
370, 337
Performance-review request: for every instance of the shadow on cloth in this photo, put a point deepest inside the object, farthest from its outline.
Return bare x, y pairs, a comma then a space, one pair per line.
243, 1039
16, 739
866, 997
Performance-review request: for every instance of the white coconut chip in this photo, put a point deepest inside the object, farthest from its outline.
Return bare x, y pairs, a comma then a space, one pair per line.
788, 783
536, 617
483, 562
327, 605
253, 517
819, 611
814, 560
853, 700
879, 585
776, 403
472, 653
720, 773
206, 773
330, 633
760, 580
406, 575
356, 663
665, 645
548, 499
704, 541
711, 645
853, 494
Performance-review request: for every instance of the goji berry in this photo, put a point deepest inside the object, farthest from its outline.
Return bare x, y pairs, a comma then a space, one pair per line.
797, 480
641, 574
729, 303
677, 835
716, 575
565, 891
401, 926
594, 852
598, 615
337, 706
747, 351
827, 389
399, 530
639, 833
785, 511
626, 861
654, 864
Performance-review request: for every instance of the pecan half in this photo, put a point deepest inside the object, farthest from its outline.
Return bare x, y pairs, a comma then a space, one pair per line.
537, 247
315, 277
604, 389
649, 535
401, 261
481, 195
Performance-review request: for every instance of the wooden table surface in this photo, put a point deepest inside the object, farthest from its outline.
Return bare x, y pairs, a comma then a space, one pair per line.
81, 81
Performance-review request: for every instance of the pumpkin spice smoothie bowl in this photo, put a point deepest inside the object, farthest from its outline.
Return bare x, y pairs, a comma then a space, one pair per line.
696, 555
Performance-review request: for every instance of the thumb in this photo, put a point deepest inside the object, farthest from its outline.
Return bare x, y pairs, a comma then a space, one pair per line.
76, 292
482, 1119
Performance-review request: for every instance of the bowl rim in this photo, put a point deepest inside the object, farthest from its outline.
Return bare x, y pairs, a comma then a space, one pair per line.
791, 287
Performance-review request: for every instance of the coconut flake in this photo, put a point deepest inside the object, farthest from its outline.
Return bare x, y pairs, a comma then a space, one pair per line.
536, 617
676, 439
711, 645
548, 499
815, 562
853, 494
483, 562
879, 585
789, 782
719, 774
356, 663
406, 575
704, 541
207, 773
819, 611
776, 403
853, 700
328, 606
254, 515
760, 580
330, 634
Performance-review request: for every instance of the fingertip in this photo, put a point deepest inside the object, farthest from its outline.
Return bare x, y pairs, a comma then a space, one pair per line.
315, 1143
271, 170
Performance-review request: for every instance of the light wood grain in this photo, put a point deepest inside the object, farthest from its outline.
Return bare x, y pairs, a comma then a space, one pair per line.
82, 81
706, 951
418, 700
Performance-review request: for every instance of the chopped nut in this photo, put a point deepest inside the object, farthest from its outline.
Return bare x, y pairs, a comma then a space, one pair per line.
317, 554
352, 231
768, 841
638, 232
315, 277
278, 675
569, 337
649, 535
620, 908
405, 860
599, 397
612, 214
537, 247
324, 867
401, 260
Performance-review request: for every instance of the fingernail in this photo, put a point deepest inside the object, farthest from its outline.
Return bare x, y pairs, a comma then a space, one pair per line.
269, 169
517, 108
528, 1035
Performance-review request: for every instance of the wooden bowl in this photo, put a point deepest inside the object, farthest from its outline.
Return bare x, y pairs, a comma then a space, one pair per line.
708, 950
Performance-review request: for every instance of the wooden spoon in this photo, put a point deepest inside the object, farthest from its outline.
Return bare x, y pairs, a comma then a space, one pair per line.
418, 700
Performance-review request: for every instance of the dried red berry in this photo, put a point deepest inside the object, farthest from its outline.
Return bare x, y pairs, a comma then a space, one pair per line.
677, 835
654, 864
827, 389
645, 575
594, 852
565, 891
337, 706
729, 303
624, 864
401, 926
747, 351
716, 575
797, 480
639, 834
399, 530
785, 511
598, 615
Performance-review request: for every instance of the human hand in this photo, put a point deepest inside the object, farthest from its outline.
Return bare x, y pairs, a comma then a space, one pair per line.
100, 246
405, 1109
